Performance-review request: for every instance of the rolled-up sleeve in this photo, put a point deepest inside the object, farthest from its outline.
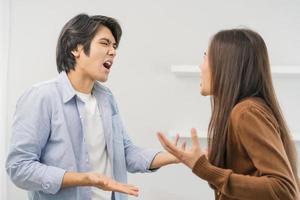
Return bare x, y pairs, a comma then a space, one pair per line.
30, 131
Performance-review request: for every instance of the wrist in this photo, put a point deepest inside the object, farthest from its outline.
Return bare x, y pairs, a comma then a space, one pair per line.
193, 163
87, 179
72, 179
174, 160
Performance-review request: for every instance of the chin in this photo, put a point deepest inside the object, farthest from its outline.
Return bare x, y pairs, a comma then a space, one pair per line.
101, 79
203, 93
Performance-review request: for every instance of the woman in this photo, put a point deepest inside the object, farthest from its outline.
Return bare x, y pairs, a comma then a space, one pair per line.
250, 153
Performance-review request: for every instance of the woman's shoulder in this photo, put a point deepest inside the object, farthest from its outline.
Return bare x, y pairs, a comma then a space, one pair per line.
254, 105
251, 115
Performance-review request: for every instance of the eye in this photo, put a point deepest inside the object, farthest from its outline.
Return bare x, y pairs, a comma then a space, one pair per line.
104, 43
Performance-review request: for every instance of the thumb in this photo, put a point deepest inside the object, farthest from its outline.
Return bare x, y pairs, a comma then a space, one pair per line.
194, 137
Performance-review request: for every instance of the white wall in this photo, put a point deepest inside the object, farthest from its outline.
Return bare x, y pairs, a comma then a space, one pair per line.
157, 34
4, 47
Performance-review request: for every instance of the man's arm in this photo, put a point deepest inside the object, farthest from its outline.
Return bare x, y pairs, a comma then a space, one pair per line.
30, 132
161, 159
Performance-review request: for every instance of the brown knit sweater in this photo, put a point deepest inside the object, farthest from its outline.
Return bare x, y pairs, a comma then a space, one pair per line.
258, 167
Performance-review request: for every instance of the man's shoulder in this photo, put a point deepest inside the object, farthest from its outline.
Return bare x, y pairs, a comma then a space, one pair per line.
45, 85
41, 90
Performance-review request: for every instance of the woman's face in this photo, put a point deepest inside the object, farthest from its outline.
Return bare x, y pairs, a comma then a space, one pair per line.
205, 76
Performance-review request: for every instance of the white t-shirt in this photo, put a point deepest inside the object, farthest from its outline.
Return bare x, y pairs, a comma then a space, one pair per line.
95, 141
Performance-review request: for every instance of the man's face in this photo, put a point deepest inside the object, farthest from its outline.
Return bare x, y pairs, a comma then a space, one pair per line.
96, 66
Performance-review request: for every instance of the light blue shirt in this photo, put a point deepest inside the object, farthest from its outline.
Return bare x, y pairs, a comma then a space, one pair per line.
48, 140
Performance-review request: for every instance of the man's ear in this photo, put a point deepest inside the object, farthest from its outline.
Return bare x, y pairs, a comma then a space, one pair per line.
76, 52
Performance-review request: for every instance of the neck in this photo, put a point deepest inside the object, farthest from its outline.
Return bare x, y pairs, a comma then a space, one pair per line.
80, 82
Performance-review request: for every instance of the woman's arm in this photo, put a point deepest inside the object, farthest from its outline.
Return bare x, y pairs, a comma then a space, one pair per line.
275, 180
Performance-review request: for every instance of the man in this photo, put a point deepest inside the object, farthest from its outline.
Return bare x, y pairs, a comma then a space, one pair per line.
67, 133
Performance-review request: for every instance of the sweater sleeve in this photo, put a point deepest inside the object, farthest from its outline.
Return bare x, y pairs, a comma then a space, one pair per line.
261, 141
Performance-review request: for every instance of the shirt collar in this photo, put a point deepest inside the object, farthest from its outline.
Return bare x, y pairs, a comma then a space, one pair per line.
69, 92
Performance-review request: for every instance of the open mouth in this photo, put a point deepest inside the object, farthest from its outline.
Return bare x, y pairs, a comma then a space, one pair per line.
107, 64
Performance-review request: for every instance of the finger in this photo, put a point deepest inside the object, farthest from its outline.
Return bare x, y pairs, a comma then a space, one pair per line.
130, 191
183, 145
129, 185
133, 193
167, 145
166, 142
162, 140
125, 188
194, 137
176, 139
133, 188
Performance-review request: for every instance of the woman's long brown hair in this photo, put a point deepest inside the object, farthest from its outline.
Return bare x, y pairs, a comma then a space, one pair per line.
240, 68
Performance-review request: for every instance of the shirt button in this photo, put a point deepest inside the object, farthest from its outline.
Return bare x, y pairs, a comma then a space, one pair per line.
46, 186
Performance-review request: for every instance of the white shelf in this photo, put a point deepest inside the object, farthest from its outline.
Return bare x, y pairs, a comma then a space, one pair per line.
296, 137
202, 134
277, 70
185, 70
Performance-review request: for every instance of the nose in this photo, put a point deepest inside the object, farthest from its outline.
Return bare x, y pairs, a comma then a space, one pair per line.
112, 51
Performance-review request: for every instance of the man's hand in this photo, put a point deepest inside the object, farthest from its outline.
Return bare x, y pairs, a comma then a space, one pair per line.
104, 183
188, 157
72, 179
